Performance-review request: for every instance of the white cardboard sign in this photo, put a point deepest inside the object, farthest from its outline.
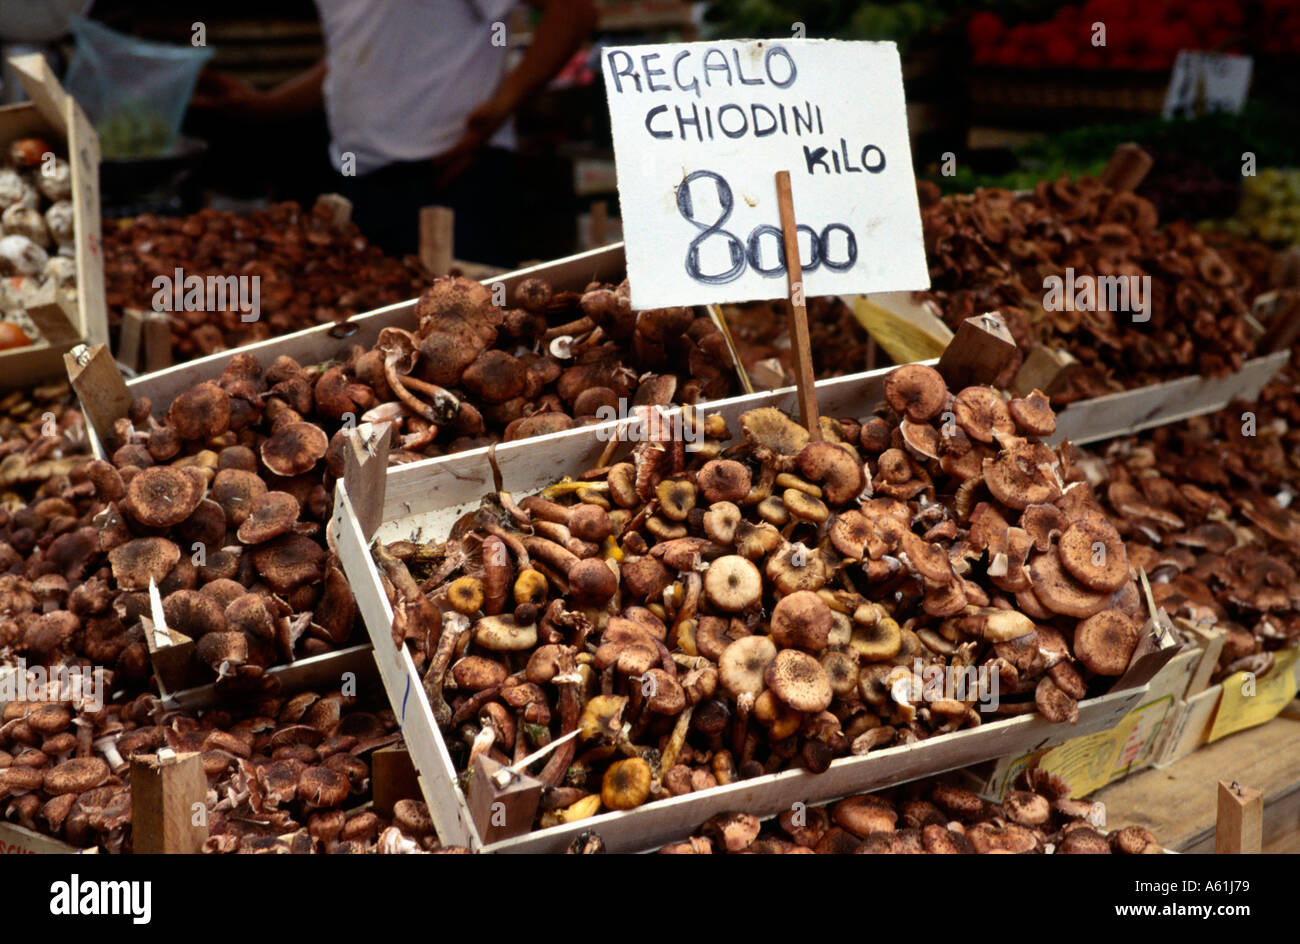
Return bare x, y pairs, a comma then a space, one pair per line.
1206, 82
700, 130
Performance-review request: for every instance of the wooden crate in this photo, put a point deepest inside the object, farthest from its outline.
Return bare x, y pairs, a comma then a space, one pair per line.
423, 499
19, 840
1127, 412
53, 115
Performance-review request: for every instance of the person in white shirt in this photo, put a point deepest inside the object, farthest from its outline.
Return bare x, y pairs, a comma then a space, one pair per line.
419, 100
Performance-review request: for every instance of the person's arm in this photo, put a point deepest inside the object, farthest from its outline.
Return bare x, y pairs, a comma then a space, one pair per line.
560, 31
233, 96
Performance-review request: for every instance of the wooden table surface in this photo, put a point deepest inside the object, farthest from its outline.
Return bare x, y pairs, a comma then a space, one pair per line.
1178, 803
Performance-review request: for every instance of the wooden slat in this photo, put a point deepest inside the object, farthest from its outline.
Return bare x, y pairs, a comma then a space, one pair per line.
1127, 412
1179, 802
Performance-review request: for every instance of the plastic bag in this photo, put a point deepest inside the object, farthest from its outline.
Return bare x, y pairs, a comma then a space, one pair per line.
134, 91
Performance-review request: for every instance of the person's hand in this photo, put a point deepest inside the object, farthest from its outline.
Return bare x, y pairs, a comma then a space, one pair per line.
481, 124
228, 95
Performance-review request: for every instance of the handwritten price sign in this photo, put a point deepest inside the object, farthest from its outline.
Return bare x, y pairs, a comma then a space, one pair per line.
700, 130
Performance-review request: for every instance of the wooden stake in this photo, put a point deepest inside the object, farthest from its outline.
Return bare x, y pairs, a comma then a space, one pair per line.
799, 341
170, 650
978, 353
52, 315
1239, 827
599, 223
501, 812
365, 473
157, 343
1044, 369
393, 778
437, 229
168, 796
130, 338
339, 206
100, 388
1126, 168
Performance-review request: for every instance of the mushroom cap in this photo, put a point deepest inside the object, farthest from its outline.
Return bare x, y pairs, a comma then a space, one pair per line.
804, 506
667, 696
1025, 808
322, 788
743, 664
916, 391
877, 642
927, 559
591, 582
163, 496
1104, 642
412, 817
1098, 568
48, 719
987, 838
289, 561
835, 467
723, 480
294, 448
1059, 592
626, 784
193, 613
1083, 841
1033, 413
980, 411
501, 633
137, 562
235, 490
1054, 703
801, 620
589, 522
76, 775
201, 412
865, 814
270, 515
733, 583
799, 680
772, 429
1018, 477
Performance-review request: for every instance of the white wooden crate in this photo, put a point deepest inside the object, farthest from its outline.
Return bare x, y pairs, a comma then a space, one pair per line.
423, 499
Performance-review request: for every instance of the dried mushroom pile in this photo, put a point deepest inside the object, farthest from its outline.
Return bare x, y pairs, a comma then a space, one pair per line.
36, 233
1205, 511
42, 435
313, 270
761, 331
472, 372
285, 774
704, 617
932, 818
992, 250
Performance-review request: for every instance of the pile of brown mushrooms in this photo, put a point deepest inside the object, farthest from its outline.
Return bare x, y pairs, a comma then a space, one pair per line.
473, 372
313, 270
1204, 511
285, 773
992, 250
936, 818
761, 332
764, 605
42, 435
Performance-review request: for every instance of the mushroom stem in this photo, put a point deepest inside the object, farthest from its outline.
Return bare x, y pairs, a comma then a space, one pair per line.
580, 326
673, 748
446, 403
409, 400
108, 747
512, 542
453, 626
471, 705
570, 709
481, 744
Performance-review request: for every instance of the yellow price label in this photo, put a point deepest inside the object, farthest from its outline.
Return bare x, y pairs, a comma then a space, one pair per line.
1248, 701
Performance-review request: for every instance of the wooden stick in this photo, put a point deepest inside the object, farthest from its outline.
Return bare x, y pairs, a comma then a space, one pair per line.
100, 388
170, 650
168, 803
339, 207
1239, 827
437, 229
799, 341
157, 344
365, 472
392, 778
500, 813
130, 338
1126, 168
978, 352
